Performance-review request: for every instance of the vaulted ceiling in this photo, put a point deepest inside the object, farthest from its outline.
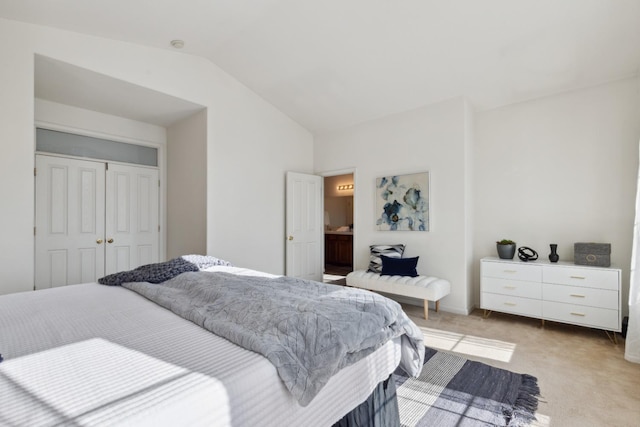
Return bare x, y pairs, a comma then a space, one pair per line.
332, 63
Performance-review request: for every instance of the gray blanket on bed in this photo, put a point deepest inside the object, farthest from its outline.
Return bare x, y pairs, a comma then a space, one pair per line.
308, 330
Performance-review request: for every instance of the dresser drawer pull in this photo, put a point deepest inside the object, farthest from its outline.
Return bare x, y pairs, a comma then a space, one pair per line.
578, 277
511, 271
577, 296
511, 304
510, 287
577, 314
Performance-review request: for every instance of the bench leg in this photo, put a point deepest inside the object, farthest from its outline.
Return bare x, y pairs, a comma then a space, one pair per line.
426, 309
437, 306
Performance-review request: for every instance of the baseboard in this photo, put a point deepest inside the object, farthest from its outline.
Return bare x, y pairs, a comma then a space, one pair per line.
456, 310
632, 359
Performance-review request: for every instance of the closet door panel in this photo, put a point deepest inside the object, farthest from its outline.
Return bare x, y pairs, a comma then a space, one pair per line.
88, 259
120, 256
131, 217
57, 200
57, 263
122, 202
69, 233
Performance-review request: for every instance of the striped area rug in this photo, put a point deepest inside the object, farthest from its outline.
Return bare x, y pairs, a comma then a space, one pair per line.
454, 391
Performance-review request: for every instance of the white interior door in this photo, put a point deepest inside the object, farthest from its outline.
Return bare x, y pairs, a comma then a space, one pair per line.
93, 219
69, 233
304, 226
132, 222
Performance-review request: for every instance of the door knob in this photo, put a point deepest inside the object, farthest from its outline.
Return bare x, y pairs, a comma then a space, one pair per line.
290, 237
110, 241
99, 241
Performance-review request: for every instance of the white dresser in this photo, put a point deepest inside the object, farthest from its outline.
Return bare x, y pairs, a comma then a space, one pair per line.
561, 292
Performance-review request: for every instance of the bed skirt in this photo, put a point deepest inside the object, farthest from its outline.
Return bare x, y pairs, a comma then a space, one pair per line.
379, 410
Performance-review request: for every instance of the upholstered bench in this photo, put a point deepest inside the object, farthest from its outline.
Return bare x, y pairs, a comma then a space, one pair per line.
422, 287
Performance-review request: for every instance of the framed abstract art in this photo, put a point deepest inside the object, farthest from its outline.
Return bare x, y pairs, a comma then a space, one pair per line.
402, 202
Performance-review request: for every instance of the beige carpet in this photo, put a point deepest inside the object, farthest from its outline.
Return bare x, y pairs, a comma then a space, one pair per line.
583, 377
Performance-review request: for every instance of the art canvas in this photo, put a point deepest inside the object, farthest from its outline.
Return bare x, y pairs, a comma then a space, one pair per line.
402, 202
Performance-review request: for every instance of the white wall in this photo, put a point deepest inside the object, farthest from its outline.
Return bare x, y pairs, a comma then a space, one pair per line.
187, 186
250, 144
52, 115
559, 170
427, 139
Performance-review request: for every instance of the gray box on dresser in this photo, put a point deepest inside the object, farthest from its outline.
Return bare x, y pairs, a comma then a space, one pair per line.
596, 254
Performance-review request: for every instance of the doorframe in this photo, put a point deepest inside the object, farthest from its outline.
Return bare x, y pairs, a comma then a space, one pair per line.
336, 172
162, 167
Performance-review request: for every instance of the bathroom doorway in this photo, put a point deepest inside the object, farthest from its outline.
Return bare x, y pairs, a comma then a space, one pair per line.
338, 227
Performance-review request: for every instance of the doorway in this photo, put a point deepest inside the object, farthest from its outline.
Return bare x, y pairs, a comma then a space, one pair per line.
338, 227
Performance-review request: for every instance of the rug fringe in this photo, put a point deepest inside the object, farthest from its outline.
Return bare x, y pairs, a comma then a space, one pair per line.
526, 403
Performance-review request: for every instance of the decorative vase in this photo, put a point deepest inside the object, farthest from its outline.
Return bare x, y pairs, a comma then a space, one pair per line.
506, 251
553, 256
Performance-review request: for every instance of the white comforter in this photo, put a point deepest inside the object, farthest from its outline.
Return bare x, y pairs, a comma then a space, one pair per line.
100, 355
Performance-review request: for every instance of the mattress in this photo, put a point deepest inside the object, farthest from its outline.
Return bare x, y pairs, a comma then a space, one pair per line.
98, 355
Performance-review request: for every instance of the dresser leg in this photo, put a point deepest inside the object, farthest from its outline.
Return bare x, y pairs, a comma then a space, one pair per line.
612, 337
486, 313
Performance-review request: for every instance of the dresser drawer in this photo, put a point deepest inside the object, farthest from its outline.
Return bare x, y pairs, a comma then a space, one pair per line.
602, 298
510, 304
601, 318
587, 277
516, 288
512, 271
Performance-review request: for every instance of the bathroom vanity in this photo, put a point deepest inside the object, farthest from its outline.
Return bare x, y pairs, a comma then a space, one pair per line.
338, 247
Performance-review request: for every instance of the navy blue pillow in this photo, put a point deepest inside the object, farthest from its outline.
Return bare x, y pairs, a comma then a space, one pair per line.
399, 266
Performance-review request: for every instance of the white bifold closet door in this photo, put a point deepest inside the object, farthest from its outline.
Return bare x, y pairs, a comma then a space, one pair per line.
93, 218
131, 224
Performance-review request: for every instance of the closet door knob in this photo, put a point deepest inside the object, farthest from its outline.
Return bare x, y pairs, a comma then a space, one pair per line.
99, 241
110, 241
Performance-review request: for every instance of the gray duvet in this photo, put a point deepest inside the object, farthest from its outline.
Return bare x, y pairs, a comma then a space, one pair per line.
307, 330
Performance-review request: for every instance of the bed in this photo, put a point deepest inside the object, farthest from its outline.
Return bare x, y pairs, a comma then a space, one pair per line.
91, 354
